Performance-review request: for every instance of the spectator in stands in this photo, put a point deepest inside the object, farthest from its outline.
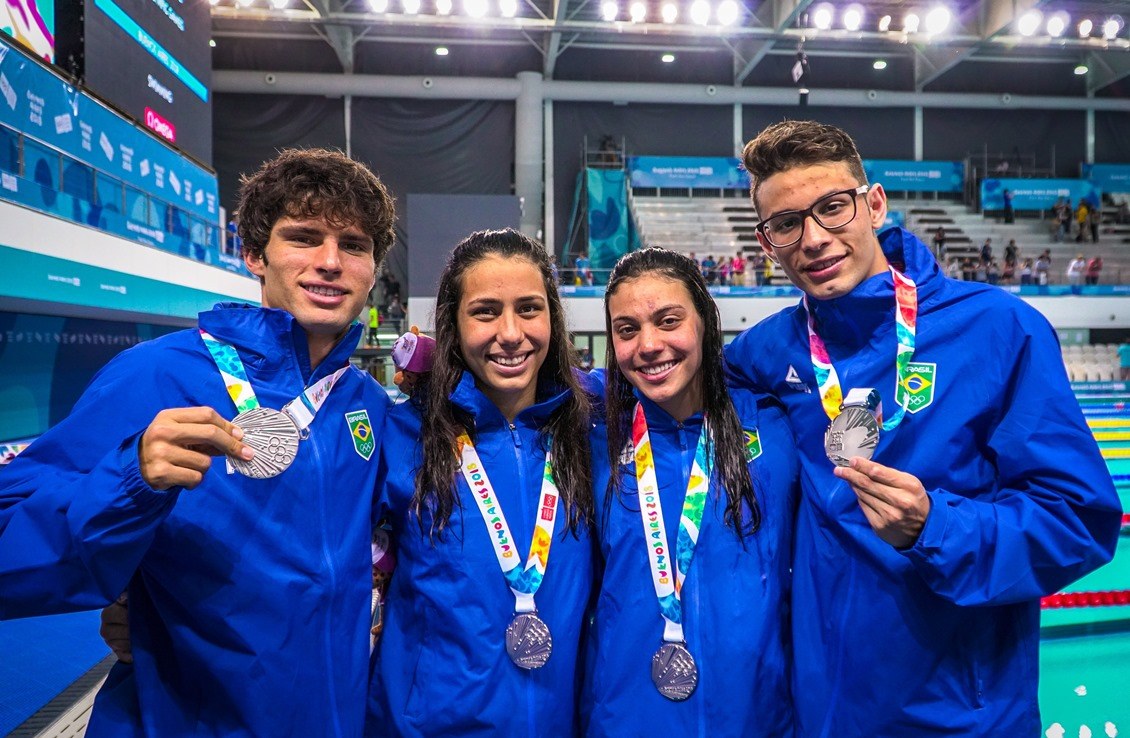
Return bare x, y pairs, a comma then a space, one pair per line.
233, 578
1094, 269
396, 314
709, 269
1094, 219
553, 269
757, 264
1011, 254
737, 269
723, 271
583, 269
374, 325
968, 272
981, 271
1009, 215
993, 272
1123, 214
1043, 267
1062, 213
1082, 213
1026, 273
1075, 269
987, 251
953, 268
940, 243
1124, 361
585, 359
944, 563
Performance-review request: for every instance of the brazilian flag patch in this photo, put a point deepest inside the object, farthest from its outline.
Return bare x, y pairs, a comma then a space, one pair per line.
361, 431
752, 444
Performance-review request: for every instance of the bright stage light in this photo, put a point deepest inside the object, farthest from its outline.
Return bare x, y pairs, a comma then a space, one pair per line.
1029, 22
822, 16
244, 3
378, 6
700, 12
667, 58
1085, 27
910, 23
938, 20
879, 64
728, 12
1081, 70
884, 24
1111, 27
280, 4
853, 17
637, 12
475, 8
443, 7
1057, 24
609, 10
670, 12
508, 8
442, 51
410, 7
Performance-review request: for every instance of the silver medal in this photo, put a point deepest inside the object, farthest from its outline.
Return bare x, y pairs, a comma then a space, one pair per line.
528, 642
273, 436
854, 432
674, 671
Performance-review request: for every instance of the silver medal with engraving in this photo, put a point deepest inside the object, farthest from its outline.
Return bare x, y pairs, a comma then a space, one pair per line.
674, 671
854, 432
528, 641
273, 436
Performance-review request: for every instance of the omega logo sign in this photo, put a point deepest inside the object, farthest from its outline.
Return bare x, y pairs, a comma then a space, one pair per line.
162, 127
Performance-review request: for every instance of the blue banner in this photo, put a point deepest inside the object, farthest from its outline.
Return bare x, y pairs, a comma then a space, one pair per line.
1108, 177
36, 102
895, 219
898, 175
1037, 194
716, 172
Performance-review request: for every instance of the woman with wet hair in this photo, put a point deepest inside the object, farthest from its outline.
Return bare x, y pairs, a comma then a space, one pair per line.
486, 483
695, 525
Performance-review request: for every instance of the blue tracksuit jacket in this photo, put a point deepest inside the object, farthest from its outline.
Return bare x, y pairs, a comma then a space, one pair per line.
250, 604
441, 668
940, 639
735, 599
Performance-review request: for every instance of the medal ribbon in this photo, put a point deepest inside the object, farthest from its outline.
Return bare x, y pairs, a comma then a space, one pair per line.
301, 410
906, 321
668, 587
523, 581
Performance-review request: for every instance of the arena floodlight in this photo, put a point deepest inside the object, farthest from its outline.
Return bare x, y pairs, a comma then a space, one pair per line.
212, 42
1057, 24
280, 4
378, 6
823, 15
1029, 22
670, 13
884, 24
728, 12
214, 2
609, 10
443, 7
1112, 26
410, 7
938, 20
667, 58
700, 12
1081, 69
1085, 27
637, 12
508, 8
244, 3
910, 23
879, 64
475, 8
853, 17
442, 51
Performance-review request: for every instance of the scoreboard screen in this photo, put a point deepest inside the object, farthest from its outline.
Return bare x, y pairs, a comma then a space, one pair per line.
153, 60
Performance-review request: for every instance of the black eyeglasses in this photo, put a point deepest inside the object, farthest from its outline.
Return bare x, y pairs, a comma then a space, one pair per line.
832, 211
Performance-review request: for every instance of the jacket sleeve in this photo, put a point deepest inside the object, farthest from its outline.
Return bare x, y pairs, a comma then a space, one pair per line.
76, 517
738, 364
1054, 515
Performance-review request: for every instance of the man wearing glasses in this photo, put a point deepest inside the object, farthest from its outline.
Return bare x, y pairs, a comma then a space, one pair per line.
950, 479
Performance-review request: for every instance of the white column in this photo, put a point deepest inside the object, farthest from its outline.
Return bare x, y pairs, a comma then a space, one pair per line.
528, 146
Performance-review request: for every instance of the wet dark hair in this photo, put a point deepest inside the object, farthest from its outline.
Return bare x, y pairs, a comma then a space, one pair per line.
570, 423
797, 143
312, 183
730, 468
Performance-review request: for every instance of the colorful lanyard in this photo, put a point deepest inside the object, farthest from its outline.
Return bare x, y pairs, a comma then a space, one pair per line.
906, 320
668, 588
301, 410
523, 582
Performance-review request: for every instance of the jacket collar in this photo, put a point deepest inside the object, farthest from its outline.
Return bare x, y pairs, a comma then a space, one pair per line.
272, 338
470, 399
659, 419
853, 320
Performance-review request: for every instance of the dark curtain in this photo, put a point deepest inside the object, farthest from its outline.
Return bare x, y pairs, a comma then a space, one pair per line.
1112, 137
878, 134
954, 134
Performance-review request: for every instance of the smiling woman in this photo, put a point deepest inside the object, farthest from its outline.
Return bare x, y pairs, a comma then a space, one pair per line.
478, 468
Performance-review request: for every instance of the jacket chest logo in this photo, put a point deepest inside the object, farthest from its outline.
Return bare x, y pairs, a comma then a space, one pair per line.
361, 431
916, 392
793, 380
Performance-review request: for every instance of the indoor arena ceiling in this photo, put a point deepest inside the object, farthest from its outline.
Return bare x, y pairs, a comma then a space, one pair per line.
987, 46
